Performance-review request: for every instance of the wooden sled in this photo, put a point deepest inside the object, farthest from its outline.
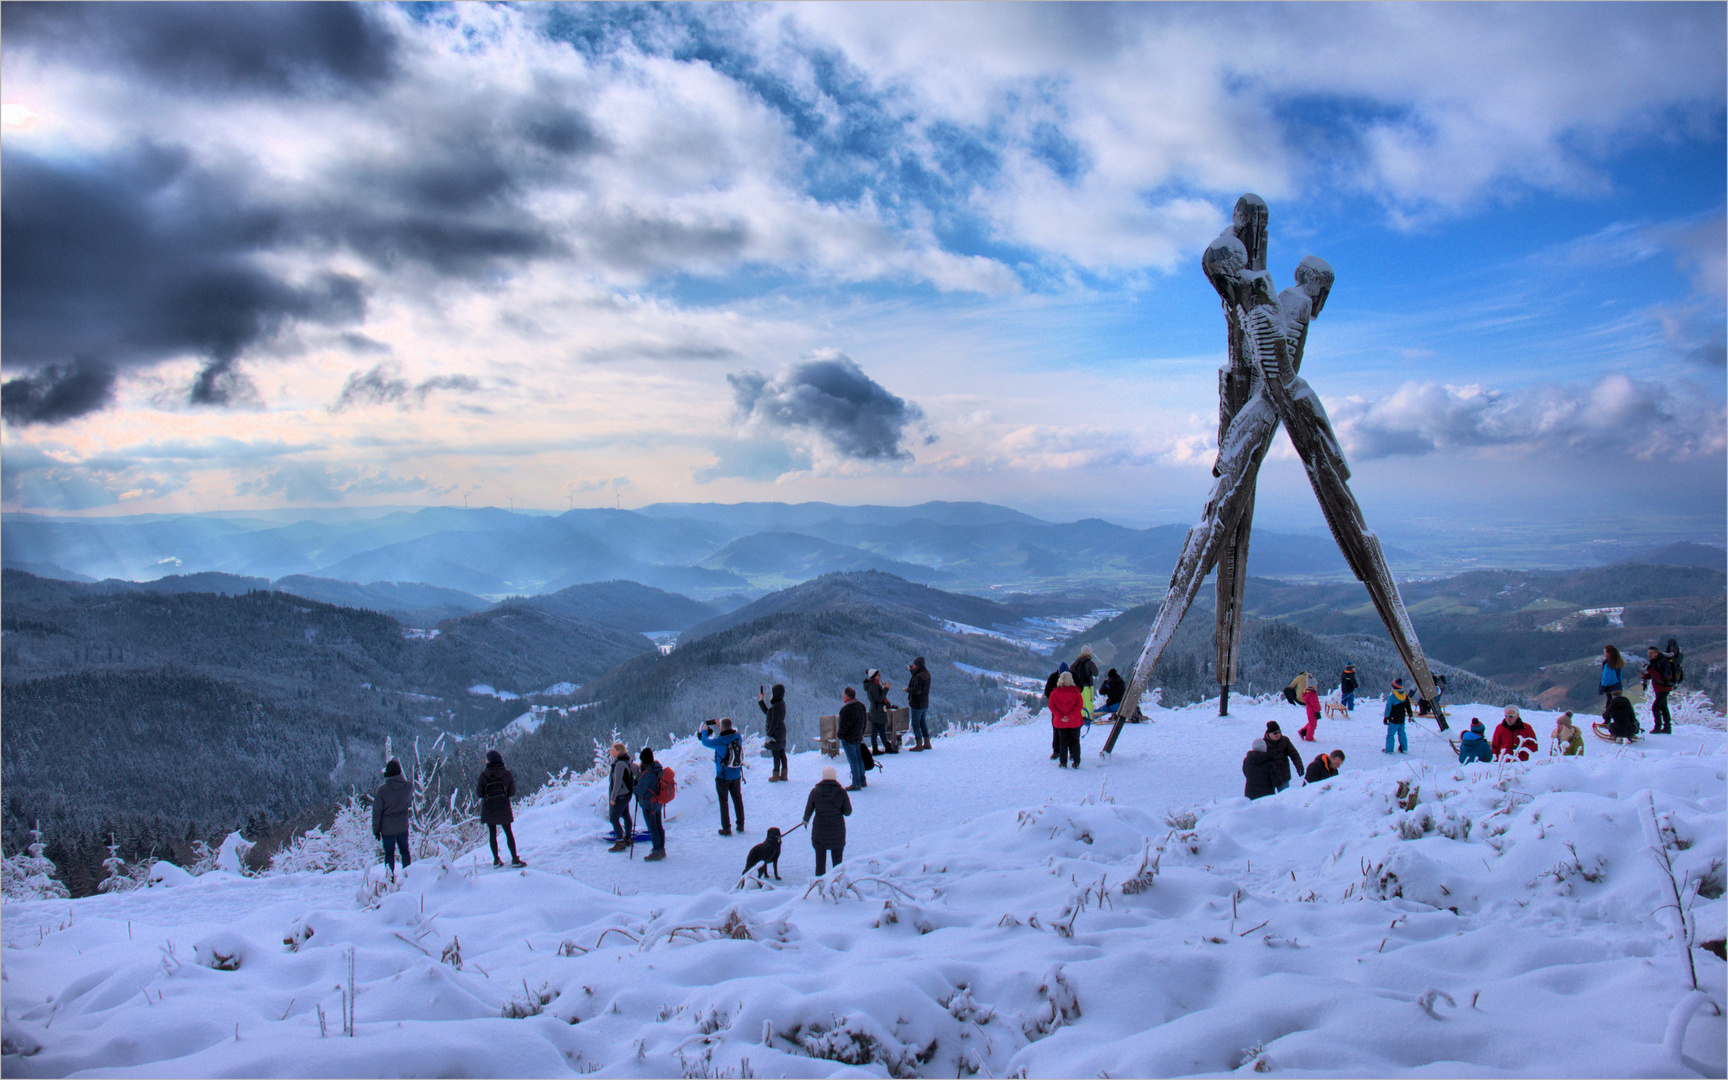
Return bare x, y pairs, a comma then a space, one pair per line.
1606, 734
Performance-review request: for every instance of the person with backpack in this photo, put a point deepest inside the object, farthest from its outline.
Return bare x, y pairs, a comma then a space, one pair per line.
1659, 677
1311, 698
1397, 712
1067, 713
496, 788
774, 713
853, 720
620, 788
918, 703
1085, 672
652, 798
1324, 766
1612, 665
391, 807
877, 689
1514, 738
1347, 685
1115, 689
728, 747
826, 811
1473, 744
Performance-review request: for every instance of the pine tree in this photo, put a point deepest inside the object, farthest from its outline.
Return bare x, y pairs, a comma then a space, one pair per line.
118, 880
30, 876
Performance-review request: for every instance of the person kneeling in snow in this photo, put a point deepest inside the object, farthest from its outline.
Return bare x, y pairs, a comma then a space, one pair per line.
1622, 720
1514, 738
1473, 745
1568, 740
826, 811
1324, 766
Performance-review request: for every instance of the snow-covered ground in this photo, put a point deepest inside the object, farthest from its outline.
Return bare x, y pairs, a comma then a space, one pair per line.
995, 916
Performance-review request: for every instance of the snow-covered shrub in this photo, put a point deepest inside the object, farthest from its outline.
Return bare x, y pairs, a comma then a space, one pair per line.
203, 859
30, 876
1695, 707
346, 845
120, 877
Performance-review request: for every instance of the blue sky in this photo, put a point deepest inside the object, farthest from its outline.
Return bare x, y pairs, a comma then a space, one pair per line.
317, 255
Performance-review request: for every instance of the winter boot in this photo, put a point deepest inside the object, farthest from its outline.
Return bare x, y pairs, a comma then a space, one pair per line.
622, 845
654, 856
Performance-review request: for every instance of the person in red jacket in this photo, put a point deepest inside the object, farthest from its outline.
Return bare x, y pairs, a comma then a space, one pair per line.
1659, 676
1067, 713
1514, 738
1311, 698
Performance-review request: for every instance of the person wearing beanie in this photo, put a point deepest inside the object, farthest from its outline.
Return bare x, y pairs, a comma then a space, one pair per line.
648, 798
495, 789
918, 703
1085, 672
1259, 778
1622, 719
391, 807
1115, 689
1473, 744
1397, 713
1567, 738
1347, 685
774, 727
1324, 766
826, 811
728, 747
1067, 713
1283, 753
877, 689
621, 785
1659, 676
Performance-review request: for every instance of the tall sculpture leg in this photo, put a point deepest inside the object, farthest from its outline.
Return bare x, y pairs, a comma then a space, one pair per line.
1239, 460
1232, 580
1322, 458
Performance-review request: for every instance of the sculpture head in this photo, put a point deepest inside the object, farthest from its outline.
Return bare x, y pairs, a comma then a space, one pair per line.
1248, 222
1314, 277
1224, 262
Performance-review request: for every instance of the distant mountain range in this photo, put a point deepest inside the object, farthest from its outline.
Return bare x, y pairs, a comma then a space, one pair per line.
705, 551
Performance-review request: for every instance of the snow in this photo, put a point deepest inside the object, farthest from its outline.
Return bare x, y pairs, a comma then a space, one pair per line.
557, 689
1039, 633
488, 690
995, 916
417, 634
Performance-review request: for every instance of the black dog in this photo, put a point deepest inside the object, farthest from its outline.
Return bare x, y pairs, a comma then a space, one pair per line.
768, 854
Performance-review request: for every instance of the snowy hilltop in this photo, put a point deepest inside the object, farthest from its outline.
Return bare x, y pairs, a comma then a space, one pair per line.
994, 916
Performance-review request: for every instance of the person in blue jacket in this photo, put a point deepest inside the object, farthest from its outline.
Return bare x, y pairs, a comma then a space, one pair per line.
1473, 746
1397, 712
1612, 665
728, 747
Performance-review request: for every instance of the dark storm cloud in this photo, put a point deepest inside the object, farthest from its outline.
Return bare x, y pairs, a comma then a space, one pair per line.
138, 256
831, 396
272, 48
58, 393
381, 386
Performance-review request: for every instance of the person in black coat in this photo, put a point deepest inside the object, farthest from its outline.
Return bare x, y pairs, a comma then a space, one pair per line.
647, 797
877, 690
826, 811
1283, 753
1260, 779
620, 788
1324, 766
1622, 719
854, 720
390, 810
495, 789
774, 709
918, 702
1115, 689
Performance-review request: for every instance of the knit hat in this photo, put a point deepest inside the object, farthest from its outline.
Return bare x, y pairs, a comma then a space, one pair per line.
1272, 725
1397, 684
828, 773
872, 673
1260, 745
1476, 726
1063, 666
493, 757
1085, 650
392, 768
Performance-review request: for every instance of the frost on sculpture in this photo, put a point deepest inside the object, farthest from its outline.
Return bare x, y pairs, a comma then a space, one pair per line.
1260, 388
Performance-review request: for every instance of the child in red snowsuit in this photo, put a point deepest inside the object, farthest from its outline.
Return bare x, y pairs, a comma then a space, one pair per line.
1311, 698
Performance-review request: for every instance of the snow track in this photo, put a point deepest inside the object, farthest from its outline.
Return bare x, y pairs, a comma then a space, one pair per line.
994, 917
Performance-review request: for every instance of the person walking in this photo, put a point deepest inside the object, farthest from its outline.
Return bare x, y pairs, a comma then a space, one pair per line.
653, 811
1085, 672
1473, 744
728, 747
391, 808
620, 787
1659, 677
1050, 688
850, 729
1257, 771
1397, 712
496, 788
1283, 753
774, 713
877, 691
1514, 738
1311, 699
1612, 665
1067, 713
1347, 687
826, 811
1115, 689
1568, 740
918, 702
1324, 766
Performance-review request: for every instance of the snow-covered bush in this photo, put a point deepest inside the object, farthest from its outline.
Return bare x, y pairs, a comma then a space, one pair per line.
30, 876
119, 876
1695, 707
346, 845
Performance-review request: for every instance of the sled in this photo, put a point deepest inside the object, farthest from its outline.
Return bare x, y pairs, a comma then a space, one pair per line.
829, 733
1606, 733
641, 836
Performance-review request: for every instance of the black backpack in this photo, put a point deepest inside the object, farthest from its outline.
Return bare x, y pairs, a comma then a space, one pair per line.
497, 795
735, 754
